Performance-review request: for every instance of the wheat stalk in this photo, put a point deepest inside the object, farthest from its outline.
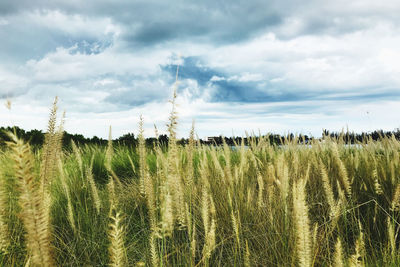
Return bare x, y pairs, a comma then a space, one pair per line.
391, 237
70, 209
338, 256
173, 177
78, 156
356, 259
142, 156
302, 224
93, 187
192, 233
190, 151
108, 158
4, 232
328, 191
51, 144
34, 207
344, 178
396, 198
8, 104
153, 250
116, 235
109, 151
167, 216
247, 256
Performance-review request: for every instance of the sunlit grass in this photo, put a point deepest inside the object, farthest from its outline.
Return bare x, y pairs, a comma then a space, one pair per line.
319, 204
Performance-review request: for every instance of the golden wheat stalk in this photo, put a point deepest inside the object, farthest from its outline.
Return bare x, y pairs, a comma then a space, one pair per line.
208, 217
270, 172
167, 215
192, 233
70, 208
209, 241
338, 256
205, 210
343, 175
109, 151
396, 198
236, 227
326, 184
283, 175
50, 146
4, 232
174, 181
93, 187
377, 185
4, 235
302, 224
34, 207
391, 236
193, 243
108, 158
153, 250
116, 235
78, 156
247, 256
142, 156
112, 198
356, 259
260, 198
59, 137
228, 164
149, 191
8, 104
190, 152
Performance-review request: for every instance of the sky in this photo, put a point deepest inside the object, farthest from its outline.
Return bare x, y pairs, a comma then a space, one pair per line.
256, 66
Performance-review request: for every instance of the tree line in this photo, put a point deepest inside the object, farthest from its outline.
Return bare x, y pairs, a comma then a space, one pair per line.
36, 138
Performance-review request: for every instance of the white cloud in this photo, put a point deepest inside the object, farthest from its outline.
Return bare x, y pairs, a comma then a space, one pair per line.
11, 83
340, 62
103, 75
3, 22
71, 24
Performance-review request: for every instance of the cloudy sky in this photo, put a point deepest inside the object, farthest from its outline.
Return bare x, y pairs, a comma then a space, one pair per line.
268, 66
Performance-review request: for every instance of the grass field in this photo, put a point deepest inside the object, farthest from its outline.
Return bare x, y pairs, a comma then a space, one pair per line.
324, 204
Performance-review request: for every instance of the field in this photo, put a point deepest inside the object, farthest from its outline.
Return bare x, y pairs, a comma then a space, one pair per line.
319, 204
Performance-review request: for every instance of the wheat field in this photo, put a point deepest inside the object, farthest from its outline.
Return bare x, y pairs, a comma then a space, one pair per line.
319, 204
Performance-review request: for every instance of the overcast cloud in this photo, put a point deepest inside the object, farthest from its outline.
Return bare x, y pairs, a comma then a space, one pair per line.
273, 66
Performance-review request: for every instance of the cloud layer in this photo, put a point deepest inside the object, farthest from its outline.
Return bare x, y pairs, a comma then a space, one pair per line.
271, 65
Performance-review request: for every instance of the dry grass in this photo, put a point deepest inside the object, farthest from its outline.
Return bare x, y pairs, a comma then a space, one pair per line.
321, 204
34, 205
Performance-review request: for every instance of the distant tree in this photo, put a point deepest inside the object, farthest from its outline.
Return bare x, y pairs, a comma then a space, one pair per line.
127, 139
163, 139
95, 139
36, 137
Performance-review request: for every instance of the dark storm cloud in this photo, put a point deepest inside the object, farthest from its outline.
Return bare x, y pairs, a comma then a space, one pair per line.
153, 22
201, 25
145, 24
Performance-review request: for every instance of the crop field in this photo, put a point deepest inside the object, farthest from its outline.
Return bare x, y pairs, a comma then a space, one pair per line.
319, 204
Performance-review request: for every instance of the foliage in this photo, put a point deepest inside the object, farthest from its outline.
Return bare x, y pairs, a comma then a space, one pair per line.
255, 201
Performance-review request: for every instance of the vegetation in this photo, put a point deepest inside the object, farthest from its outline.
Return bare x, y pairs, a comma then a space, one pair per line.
36, 138
320, 203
